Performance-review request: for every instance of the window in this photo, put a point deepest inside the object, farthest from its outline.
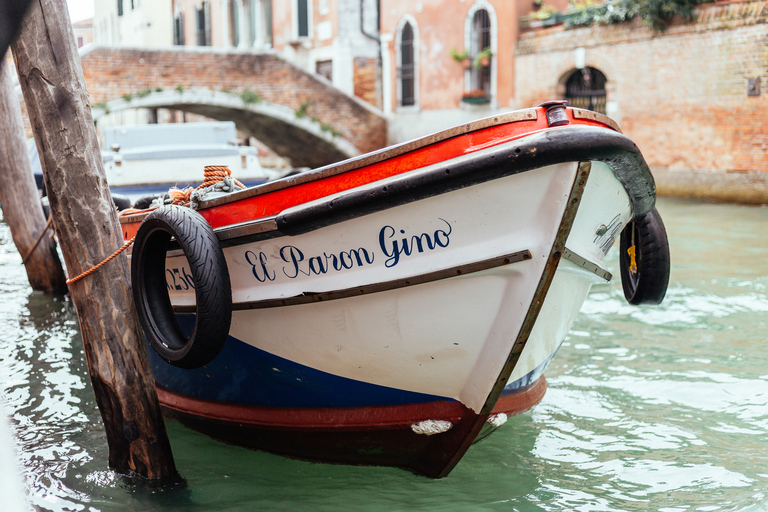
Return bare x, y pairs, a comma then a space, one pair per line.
203, 15
407, 62
178, 29
407, 67
80, 41
325, 68
234, 21
260, 23
302, 17
480, 40
119, 7
585, 88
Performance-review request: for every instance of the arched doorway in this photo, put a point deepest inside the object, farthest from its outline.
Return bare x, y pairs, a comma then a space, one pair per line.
480, 40
585, 88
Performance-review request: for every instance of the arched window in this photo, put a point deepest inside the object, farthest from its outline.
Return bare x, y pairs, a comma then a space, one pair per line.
480, 42
407, 68
407, 62
585, 88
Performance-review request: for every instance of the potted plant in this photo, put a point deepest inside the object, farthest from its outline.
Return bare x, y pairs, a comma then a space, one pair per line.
475, 97
483, 59
462, 57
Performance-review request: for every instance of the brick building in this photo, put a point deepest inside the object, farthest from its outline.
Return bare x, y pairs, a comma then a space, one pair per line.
433, 75
689, 96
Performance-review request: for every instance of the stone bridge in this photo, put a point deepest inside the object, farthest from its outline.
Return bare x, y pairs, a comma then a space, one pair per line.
297, 114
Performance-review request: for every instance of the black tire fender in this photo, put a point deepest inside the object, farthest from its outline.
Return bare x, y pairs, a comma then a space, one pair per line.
143, 202
210, 278
644, 260
121, 202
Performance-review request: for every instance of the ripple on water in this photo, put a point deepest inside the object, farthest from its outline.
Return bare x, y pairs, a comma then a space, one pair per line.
647, 409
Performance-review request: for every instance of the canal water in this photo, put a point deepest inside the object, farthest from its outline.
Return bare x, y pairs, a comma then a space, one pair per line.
662, 409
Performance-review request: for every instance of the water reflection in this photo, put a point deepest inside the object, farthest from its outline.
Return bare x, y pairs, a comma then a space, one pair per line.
647, 409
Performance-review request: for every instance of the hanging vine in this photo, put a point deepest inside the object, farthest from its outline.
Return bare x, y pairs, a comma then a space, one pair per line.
656, 14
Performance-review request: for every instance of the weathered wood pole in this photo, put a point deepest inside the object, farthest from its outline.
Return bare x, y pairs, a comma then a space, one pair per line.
21, 202
85, 219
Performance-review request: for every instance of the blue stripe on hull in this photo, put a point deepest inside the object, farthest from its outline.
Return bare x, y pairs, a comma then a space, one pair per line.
528, 379
243, 374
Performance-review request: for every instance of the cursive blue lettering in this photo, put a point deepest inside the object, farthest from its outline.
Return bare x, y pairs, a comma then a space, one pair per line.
259, 266
392, 253
294, 256
439, 232
316, 265
405, 246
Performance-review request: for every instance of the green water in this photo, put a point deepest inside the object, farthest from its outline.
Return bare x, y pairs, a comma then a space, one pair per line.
661, 409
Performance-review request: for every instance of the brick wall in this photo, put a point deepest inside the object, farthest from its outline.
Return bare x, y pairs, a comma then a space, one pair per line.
681, 95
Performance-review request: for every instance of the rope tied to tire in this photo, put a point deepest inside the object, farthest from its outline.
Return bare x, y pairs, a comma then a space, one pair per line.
213, 176
208, 276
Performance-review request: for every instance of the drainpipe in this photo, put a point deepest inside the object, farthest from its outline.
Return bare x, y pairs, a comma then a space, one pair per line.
378, 21
376, 38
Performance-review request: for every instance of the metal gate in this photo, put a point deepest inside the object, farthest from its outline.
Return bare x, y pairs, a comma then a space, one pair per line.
585, 88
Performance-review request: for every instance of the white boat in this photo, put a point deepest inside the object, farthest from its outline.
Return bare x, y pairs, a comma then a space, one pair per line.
385, 309
154, 157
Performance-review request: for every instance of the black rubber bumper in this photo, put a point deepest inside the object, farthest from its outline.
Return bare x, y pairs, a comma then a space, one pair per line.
558, 145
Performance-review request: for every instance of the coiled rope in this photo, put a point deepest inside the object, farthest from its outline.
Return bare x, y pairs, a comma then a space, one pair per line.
212, 175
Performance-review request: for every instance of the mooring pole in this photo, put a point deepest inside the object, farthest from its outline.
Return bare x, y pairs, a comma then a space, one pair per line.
52, 81
21, 201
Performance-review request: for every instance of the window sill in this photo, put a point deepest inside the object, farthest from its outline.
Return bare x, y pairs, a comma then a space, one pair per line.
410, 109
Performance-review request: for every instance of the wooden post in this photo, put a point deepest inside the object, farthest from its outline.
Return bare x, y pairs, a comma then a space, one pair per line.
21, 201
52, 81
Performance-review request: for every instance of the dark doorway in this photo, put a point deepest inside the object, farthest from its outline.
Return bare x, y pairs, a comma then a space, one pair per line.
585, 89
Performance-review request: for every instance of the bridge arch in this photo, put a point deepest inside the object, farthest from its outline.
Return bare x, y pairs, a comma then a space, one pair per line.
304, 140
299, 115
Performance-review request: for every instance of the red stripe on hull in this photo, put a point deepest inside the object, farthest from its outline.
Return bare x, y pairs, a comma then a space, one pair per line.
379, 436
515, 403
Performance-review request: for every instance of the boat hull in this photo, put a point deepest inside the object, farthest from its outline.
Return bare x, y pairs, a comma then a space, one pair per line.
389, 322
361, 436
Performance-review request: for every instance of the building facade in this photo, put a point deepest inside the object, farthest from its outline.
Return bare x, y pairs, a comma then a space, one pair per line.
400, 56
83, 32
338, 39
132, 22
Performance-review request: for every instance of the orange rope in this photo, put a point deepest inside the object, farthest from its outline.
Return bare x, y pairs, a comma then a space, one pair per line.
97, 267
212, 174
